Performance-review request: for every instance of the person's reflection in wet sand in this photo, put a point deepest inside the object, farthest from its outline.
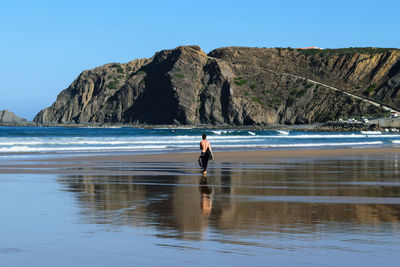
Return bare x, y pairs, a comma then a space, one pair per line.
206, 196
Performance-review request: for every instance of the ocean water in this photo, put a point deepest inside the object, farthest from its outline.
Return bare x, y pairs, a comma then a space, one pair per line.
140, 140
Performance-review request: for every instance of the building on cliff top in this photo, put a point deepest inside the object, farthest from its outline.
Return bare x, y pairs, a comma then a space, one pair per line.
311, 47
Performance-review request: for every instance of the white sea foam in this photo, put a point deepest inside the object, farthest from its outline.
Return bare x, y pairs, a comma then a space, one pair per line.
112, 142
282, 132
304, 145
172, 140
220, 132
169, 147
371, 132
307, 136
54, 141
236, 137
79, 148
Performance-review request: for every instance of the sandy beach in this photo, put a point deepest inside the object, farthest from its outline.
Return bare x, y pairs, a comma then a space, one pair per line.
82, 162
328, 207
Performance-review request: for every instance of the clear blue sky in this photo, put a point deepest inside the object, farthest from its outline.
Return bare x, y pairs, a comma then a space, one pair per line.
46, 44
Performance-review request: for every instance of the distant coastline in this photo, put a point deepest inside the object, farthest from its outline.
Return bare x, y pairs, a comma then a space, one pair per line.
328, 126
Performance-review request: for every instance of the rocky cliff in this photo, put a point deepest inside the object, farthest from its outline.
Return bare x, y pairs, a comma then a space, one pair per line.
233, 85
9, 117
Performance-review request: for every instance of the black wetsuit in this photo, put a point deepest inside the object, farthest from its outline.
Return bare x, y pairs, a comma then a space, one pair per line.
205, 156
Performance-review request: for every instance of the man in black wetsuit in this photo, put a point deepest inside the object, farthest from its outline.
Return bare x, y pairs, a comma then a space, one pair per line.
205, 148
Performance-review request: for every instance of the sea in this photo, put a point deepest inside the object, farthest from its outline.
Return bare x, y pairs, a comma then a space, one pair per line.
145, 140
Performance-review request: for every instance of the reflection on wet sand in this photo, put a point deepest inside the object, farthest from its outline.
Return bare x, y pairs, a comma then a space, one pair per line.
206, 196
251, 200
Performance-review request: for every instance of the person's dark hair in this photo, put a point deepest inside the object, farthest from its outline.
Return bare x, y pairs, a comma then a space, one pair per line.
204, 136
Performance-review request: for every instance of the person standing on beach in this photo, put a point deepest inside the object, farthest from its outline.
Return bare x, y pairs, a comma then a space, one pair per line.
206, 153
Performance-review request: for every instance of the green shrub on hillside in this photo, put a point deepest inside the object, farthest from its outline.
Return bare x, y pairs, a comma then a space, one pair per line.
370, 89
307, 84
290, 101
113, 85
301, 93
239, 81
344, 51
118, 67
179, 75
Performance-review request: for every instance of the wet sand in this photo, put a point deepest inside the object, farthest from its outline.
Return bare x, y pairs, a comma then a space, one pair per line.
78, 163
258, 208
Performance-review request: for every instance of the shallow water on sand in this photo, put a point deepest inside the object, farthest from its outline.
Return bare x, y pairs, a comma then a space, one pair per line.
322, 212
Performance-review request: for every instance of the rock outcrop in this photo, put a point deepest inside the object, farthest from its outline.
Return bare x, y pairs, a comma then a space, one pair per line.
233, 85
9, 117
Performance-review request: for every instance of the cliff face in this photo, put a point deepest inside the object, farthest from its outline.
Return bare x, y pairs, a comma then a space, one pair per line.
9, 117
233, 85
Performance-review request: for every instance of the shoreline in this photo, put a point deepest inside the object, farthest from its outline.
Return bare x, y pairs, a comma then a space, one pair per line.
243, 156
176, 162
302, 127
330, 126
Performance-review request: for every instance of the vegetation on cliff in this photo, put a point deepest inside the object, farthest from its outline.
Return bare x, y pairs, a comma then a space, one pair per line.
345, 51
